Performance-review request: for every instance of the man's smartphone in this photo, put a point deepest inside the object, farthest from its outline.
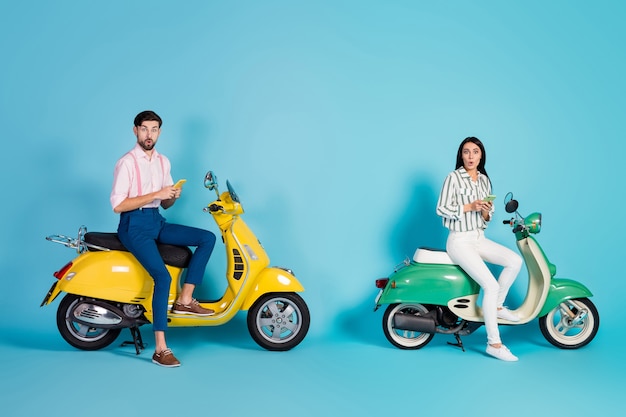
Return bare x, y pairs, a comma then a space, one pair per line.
179, 183
489, 198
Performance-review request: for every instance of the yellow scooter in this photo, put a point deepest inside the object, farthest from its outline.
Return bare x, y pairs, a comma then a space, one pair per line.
107, 289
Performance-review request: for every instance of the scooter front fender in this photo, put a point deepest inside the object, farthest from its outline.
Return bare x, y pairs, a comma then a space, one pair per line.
428, 284
563, 290
272, 279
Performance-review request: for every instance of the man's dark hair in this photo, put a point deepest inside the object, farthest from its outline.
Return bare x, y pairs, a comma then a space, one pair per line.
147, 115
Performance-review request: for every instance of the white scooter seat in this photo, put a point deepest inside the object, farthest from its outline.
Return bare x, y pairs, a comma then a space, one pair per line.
432, 256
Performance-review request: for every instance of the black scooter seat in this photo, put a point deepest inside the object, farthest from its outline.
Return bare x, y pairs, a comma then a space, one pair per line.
177, 256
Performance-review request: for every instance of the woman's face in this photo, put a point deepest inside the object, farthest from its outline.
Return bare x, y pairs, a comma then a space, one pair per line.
471, 156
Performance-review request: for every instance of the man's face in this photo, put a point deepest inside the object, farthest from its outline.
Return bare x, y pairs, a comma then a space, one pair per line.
147, 134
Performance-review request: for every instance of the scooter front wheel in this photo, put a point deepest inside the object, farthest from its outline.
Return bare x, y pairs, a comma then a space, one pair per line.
572, 324
405, 339
79, 335
279, 321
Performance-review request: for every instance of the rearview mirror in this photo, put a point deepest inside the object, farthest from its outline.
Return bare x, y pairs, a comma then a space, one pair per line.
210, 180
510, 204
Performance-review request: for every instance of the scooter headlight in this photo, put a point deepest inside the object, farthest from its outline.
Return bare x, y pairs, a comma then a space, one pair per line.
533, 223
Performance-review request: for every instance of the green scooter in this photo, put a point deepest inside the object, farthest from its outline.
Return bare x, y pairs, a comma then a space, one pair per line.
430, 294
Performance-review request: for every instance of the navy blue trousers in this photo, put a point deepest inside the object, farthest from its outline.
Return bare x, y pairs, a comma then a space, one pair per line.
140, 230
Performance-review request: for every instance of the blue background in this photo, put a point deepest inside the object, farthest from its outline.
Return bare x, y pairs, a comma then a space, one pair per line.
336, 121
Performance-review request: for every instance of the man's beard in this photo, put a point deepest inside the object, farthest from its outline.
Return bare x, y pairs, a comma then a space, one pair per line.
146, 147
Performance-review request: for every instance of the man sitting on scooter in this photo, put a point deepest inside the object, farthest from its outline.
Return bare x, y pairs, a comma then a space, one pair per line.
141, 183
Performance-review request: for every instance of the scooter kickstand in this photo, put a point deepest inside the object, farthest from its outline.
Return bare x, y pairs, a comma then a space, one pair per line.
137, 340
458, 343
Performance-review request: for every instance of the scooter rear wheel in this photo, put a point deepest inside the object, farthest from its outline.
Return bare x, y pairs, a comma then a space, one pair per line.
405, 339
80, 335
279, 321
572, 324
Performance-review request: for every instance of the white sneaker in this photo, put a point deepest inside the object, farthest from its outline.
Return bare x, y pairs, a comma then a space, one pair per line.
506, 314
502, 353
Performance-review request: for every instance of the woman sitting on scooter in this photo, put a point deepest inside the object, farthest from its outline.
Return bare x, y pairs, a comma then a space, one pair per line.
466, 210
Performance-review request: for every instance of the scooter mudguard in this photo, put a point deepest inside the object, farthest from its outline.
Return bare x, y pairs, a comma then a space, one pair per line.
52, 294
109, 275
428, 284
563, 290
272, 280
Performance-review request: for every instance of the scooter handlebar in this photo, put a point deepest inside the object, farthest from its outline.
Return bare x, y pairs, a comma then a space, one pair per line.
213, 208
511, 222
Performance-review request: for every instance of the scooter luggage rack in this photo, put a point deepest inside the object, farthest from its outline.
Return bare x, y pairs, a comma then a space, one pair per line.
406, 262
77, 243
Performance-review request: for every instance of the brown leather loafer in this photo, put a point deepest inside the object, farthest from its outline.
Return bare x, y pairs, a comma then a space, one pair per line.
193, 308
165, 358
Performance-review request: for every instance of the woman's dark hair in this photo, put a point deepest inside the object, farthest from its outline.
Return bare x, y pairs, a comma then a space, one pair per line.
147, 115
483, 158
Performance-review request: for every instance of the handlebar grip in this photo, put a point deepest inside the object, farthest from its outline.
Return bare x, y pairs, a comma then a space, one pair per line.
214, 207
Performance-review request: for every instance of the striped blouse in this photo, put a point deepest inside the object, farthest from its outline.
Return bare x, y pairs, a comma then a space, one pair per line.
459, 189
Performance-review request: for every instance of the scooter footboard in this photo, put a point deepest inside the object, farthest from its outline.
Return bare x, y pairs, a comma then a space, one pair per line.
272, 279
563, 290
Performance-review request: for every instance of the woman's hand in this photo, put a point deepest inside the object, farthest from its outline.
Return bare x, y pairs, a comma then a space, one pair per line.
486, 210
479, 205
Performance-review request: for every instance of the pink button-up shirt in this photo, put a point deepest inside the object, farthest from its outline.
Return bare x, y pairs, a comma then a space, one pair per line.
135, 174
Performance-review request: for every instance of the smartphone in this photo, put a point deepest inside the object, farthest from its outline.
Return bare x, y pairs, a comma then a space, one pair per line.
179, 183
489, 198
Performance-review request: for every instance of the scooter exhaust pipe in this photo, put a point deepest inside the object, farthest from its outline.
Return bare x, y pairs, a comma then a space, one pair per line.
402, 321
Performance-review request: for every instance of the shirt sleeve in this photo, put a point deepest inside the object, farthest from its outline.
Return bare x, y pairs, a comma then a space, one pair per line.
122, 180
448, 205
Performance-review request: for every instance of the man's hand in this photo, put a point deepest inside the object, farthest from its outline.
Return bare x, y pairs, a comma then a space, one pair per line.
168, 193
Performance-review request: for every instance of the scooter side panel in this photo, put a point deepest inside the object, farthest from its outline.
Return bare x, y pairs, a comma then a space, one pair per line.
112, 275
272, 280
562, 290
428, 284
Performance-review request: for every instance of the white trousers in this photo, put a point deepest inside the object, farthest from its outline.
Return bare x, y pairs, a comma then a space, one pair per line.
470, 250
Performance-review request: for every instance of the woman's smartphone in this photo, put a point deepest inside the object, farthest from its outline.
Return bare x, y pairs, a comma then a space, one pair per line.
489, 198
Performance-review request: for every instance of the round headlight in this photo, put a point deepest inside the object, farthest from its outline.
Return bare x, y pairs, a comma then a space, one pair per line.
533, 222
